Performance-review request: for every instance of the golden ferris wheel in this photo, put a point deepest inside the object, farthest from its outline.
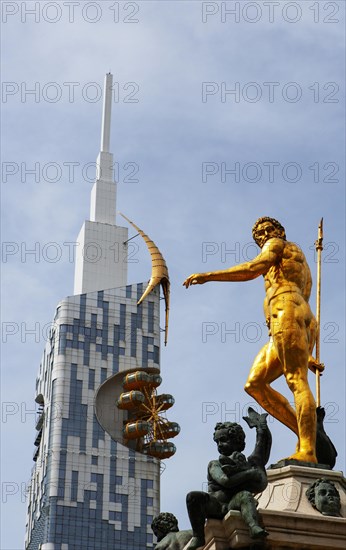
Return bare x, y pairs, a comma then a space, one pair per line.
147, 425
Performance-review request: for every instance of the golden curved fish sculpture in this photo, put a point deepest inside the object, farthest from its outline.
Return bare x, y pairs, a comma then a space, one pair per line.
159, 272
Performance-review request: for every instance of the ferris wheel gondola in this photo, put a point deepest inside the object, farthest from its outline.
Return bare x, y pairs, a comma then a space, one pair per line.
146, 423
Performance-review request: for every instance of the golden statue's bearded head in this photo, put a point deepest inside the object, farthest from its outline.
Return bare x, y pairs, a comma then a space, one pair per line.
267, 222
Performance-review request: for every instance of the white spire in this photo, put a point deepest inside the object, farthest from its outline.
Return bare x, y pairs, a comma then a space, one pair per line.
103, 194
107, 113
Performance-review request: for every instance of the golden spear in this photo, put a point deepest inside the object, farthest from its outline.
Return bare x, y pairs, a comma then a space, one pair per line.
319, 248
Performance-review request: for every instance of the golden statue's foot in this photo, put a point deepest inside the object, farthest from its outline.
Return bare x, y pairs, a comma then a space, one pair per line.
303, 456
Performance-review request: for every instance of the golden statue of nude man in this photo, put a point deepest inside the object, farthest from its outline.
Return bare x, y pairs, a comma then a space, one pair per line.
292, 330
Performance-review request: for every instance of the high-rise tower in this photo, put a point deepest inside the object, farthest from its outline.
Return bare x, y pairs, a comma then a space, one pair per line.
89, 490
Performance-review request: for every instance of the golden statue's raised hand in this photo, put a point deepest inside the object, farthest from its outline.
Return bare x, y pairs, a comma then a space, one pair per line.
314, 365
195, 279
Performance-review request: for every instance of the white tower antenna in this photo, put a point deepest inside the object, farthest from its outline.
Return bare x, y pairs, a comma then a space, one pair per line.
103, 194
107, 113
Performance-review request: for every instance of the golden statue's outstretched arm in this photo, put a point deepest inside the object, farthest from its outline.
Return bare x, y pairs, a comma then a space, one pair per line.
270, 255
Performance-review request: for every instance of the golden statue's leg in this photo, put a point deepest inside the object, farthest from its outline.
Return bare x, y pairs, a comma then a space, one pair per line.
291, 343
306, 415
265, 370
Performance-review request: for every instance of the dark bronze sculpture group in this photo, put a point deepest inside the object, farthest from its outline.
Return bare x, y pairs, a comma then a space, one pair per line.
233, 479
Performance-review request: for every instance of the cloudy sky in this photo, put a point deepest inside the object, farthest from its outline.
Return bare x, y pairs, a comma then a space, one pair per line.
222, 112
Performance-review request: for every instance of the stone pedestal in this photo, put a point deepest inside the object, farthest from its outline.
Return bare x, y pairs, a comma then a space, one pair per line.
287, 515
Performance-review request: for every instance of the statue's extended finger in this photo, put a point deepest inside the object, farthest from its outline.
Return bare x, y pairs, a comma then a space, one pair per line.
187, 282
